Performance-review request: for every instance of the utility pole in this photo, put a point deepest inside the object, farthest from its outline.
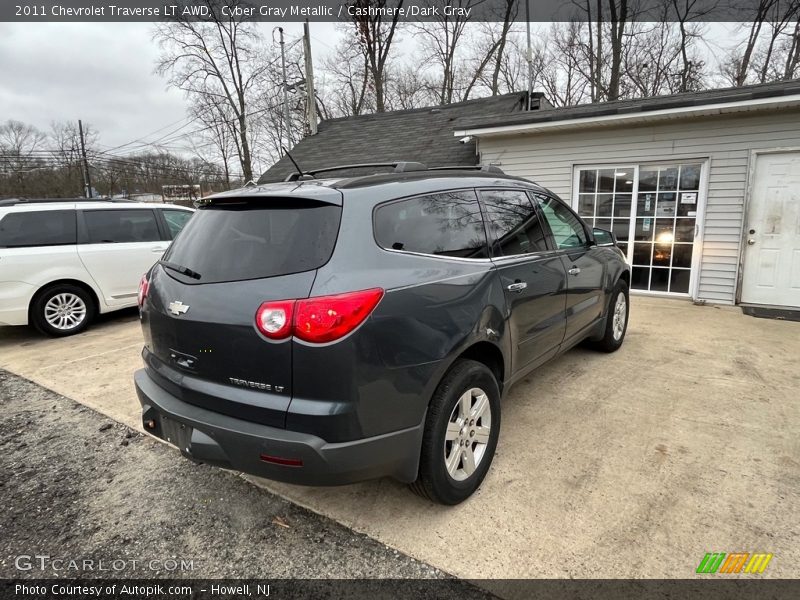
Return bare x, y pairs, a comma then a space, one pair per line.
87, 181
529, 52
311, 102
287, 123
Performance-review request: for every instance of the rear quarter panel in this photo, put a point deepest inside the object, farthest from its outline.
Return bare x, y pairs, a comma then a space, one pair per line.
385, 372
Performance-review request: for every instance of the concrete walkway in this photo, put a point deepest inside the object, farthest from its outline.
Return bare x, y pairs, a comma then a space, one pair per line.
633, 464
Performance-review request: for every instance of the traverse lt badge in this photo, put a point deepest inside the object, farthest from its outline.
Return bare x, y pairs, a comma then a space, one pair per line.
177, 308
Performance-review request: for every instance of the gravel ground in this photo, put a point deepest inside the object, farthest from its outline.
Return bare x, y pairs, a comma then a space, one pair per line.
76, 486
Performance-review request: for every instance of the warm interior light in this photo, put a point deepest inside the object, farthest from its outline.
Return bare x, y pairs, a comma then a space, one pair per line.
665, 237
620, 173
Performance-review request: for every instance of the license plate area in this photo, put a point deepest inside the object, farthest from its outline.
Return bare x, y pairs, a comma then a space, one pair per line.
176, 433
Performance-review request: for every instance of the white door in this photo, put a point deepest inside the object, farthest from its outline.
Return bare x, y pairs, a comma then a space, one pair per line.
122, 245
772, 244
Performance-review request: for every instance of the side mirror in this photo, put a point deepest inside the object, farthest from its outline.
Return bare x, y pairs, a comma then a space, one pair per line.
603, 237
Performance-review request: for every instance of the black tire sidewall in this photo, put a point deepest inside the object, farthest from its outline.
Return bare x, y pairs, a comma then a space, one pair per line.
37, 309
609, 341
464, 375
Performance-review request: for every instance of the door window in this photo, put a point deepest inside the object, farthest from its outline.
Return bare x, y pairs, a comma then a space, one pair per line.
175, 219
38, 228
513, 225
568, 231
445, 224
652, 209
121, 226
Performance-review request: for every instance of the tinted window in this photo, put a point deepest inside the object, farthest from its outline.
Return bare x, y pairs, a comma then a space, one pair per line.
249, 240
513, 225
568, 231
121, 226
176, 219
447, 224
38, 228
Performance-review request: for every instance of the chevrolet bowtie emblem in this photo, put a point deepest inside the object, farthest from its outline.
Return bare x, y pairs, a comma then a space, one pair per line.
177, 307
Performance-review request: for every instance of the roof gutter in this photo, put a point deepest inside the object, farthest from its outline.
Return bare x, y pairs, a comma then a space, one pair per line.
635, 117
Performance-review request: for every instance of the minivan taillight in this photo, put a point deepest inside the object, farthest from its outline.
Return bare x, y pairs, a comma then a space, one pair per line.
317, 320
144, 286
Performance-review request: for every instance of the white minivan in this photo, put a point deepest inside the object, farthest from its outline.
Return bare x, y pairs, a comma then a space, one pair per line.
64, 261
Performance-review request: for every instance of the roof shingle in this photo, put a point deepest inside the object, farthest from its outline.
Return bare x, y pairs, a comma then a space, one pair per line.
423, 135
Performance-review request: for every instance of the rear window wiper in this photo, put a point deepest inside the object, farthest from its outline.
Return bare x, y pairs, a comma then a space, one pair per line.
180, 269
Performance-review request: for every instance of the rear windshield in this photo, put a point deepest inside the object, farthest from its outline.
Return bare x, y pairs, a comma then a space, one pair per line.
253, 240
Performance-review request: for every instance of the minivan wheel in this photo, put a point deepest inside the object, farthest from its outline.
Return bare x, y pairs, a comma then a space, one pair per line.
461, 432
616, 320
62, 310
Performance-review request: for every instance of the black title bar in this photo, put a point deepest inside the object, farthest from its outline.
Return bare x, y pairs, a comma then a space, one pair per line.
121, 11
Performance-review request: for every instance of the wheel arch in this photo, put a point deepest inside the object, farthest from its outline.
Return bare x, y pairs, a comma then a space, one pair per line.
66, 281
490, 355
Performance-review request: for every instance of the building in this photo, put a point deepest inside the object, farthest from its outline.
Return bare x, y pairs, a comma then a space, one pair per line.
702, 189
423, 135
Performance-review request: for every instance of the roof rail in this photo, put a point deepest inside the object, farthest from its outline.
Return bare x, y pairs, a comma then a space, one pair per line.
16, 201
485, 168
399, 167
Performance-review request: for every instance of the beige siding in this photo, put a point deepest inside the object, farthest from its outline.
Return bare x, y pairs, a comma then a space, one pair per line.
725, 141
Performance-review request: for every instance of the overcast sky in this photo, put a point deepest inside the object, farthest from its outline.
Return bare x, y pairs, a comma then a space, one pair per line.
101, 73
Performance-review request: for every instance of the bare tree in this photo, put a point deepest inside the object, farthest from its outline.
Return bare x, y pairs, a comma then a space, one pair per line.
408, 87
375, 35
440, 39
564, 72
737, 64
220, 57
348, 76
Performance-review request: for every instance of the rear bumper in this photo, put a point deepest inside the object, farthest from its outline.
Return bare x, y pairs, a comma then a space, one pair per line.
206, 436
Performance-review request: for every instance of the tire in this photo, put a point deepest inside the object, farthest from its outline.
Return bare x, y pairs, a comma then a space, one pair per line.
614, 333
476, 383
62, 309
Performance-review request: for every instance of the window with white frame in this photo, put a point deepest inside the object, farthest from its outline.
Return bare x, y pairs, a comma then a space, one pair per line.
652, 210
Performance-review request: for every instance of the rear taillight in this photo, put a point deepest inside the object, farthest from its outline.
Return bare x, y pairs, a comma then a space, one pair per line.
144, 286
274, 319
328, 318
317, 320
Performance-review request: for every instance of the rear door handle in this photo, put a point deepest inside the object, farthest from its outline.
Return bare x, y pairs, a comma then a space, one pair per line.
517, 286
159, 250
574, 271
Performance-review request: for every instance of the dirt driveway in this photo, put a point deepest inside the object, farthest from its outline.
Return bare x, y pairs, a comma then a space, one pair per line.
627, 465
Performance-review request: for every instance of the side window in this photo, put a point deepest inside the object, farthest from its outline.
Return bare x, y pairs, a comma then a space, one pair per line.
175, 219
447, 224
513, 225
568, 231
121, 226
38, 228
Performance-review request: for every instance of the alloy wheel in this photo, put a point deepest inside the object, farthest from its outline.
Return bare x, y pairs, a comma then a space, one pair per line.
467, 434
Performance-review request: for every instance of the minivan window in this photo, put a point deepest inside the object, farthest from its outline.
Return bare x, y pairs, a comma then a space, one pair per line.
256, 239
175, 219
121, 226
38, 228
444, 224
513, 225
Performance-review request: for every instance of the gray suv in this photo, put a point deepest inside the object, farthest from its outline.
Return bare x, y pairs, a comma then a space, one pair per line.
324, 331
